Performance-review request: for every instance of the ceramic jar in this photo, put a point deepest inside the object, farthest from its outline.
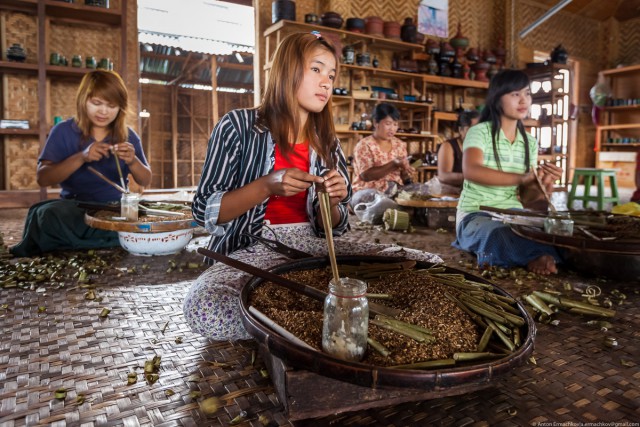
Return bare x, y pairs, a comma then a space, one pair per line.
283, 9
356, 25
76, 61
408, 31
348, 55
91, 62
16, 53
392, 30
311, 18
331, 19
559, 55
374, 26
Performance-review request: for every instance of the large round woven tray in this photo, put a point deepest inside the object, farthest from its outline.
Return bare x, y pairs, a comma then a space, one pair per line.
452, 380
618, 259
104, 220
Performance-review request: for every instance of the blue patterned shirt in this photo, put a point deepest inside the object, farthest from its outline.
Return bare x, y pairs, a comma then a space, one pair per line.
240, 151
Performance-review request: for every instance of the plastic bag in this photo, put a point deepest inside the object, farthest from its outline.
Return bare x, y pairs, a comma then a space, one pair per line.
369, 205
433, 187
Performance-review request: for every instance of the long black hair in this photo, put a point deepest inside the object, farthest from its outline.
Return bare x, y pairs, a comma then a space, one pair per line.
384, 110
505, 81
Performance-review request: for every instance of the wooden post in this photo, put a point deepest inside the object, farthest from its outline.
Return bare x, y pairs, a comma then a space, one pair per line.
174, 134
43, 100
214, 88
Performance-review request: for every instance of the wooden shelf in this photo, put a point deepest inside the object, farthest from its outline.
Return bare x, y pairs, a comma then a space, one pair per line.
348, 37
62, 71
621, 145
18, 67
621, 70
613, 109
67, 11
23, 132
545, 72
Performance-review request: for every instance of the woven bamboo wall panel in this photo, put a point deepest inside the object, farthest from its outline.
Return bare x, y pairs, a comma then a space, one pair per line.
579, 35
629, 42
23, 29
69, 40
21, 155
63, 99
21, 98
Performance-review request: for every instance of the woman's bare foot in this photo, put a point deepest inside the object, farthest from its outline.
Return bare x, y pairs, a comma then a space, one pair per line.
544, 265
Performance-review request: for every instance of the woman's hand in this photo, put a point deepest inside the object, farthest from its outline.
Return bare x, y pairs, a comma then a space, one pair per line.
335, 185
96, 151
287, 182
125, 152
549, 173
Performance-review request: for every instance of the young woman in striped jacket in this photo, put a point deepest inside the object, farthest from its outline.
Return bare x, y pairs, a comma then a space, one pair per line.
264, 166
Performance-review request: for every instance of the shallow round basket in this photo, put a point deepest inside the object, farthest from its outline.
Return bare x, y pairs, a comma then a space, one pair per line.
148, 244
148, 236
445, 381
616, 259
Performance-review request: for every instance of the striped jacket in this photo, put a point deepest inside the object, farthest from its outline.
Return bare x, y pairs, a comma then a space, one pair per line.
239, 152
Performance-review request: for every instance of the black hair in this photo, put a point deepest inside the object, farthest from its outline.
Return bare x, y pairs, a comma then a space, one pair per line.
505, 81
465, 118
384, 110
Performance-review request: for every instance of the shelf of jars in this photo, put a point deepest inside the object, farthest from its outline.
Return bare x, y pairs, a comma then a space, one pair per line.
68, 11
347, 37
18, 67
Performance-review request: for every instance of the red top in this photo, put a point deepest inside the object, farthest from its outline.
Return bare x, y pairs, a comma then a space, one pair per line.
292, 209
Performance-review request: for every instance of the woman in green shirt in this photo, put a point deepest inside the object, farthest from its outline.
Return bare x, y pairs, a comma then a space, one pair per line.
497, 160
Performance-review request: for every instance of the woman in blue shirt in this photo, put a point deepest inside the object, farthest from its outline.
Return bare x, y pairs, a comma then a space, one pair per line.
90, 139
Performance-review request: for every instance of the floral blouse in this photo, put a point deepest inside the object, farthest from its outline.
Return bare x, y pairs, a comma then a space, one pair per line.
368, 154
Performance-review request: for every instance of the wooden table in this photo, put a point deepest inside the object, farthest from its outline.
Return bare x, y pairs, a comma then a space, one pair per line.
433, 213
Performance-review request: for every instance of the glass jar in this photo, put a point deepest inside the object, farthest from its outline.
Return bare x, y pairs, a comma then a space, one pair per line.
129, 206
346, 319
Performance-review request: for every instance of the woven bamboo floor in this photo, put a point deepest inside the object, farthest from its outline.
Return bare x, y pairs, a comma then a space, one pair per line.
575, 378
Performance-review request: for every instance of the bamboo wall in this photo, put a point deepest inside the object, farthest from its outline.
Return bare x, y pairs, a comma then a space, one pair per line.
176, 155
20, 98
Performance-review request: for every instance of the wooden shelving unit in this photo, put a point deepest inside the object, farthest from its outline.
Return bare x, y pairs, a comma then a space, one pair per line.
49, 16
618, 134
551, 124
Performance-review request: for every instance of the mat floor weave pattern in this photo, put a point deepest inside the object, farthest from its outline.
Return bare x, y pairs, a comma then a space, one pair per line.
56, 339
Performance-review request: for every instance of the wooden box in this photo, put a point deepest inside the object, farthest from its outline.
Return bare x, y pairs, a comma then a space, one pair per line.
305, 394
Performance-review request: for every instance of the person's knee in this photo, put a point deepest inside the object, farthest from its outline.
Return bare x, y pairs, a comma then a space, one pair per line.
214, 312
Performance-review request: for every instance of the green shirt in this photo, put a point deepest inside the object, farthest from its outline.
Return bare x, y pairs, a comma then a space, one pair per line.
512, 159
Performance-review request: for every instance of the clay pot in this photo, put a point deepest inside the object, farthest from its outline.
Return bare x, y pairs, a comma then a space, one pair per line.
374, 26
408, 31
311, 18
392, 30
283, 9
472, 54
356, 25
459, 42
16, 53
331, 19
559, 55
432, 47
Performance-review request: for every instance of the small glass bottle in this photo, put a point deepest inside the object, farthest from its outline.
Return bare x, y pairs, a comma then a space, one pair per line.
346, 319
129, 206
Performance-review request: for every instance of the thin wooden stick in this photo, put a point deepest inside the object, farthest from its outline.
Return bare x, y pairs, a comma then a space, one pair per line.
120, 171
105, 179
325, 210
279, 329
